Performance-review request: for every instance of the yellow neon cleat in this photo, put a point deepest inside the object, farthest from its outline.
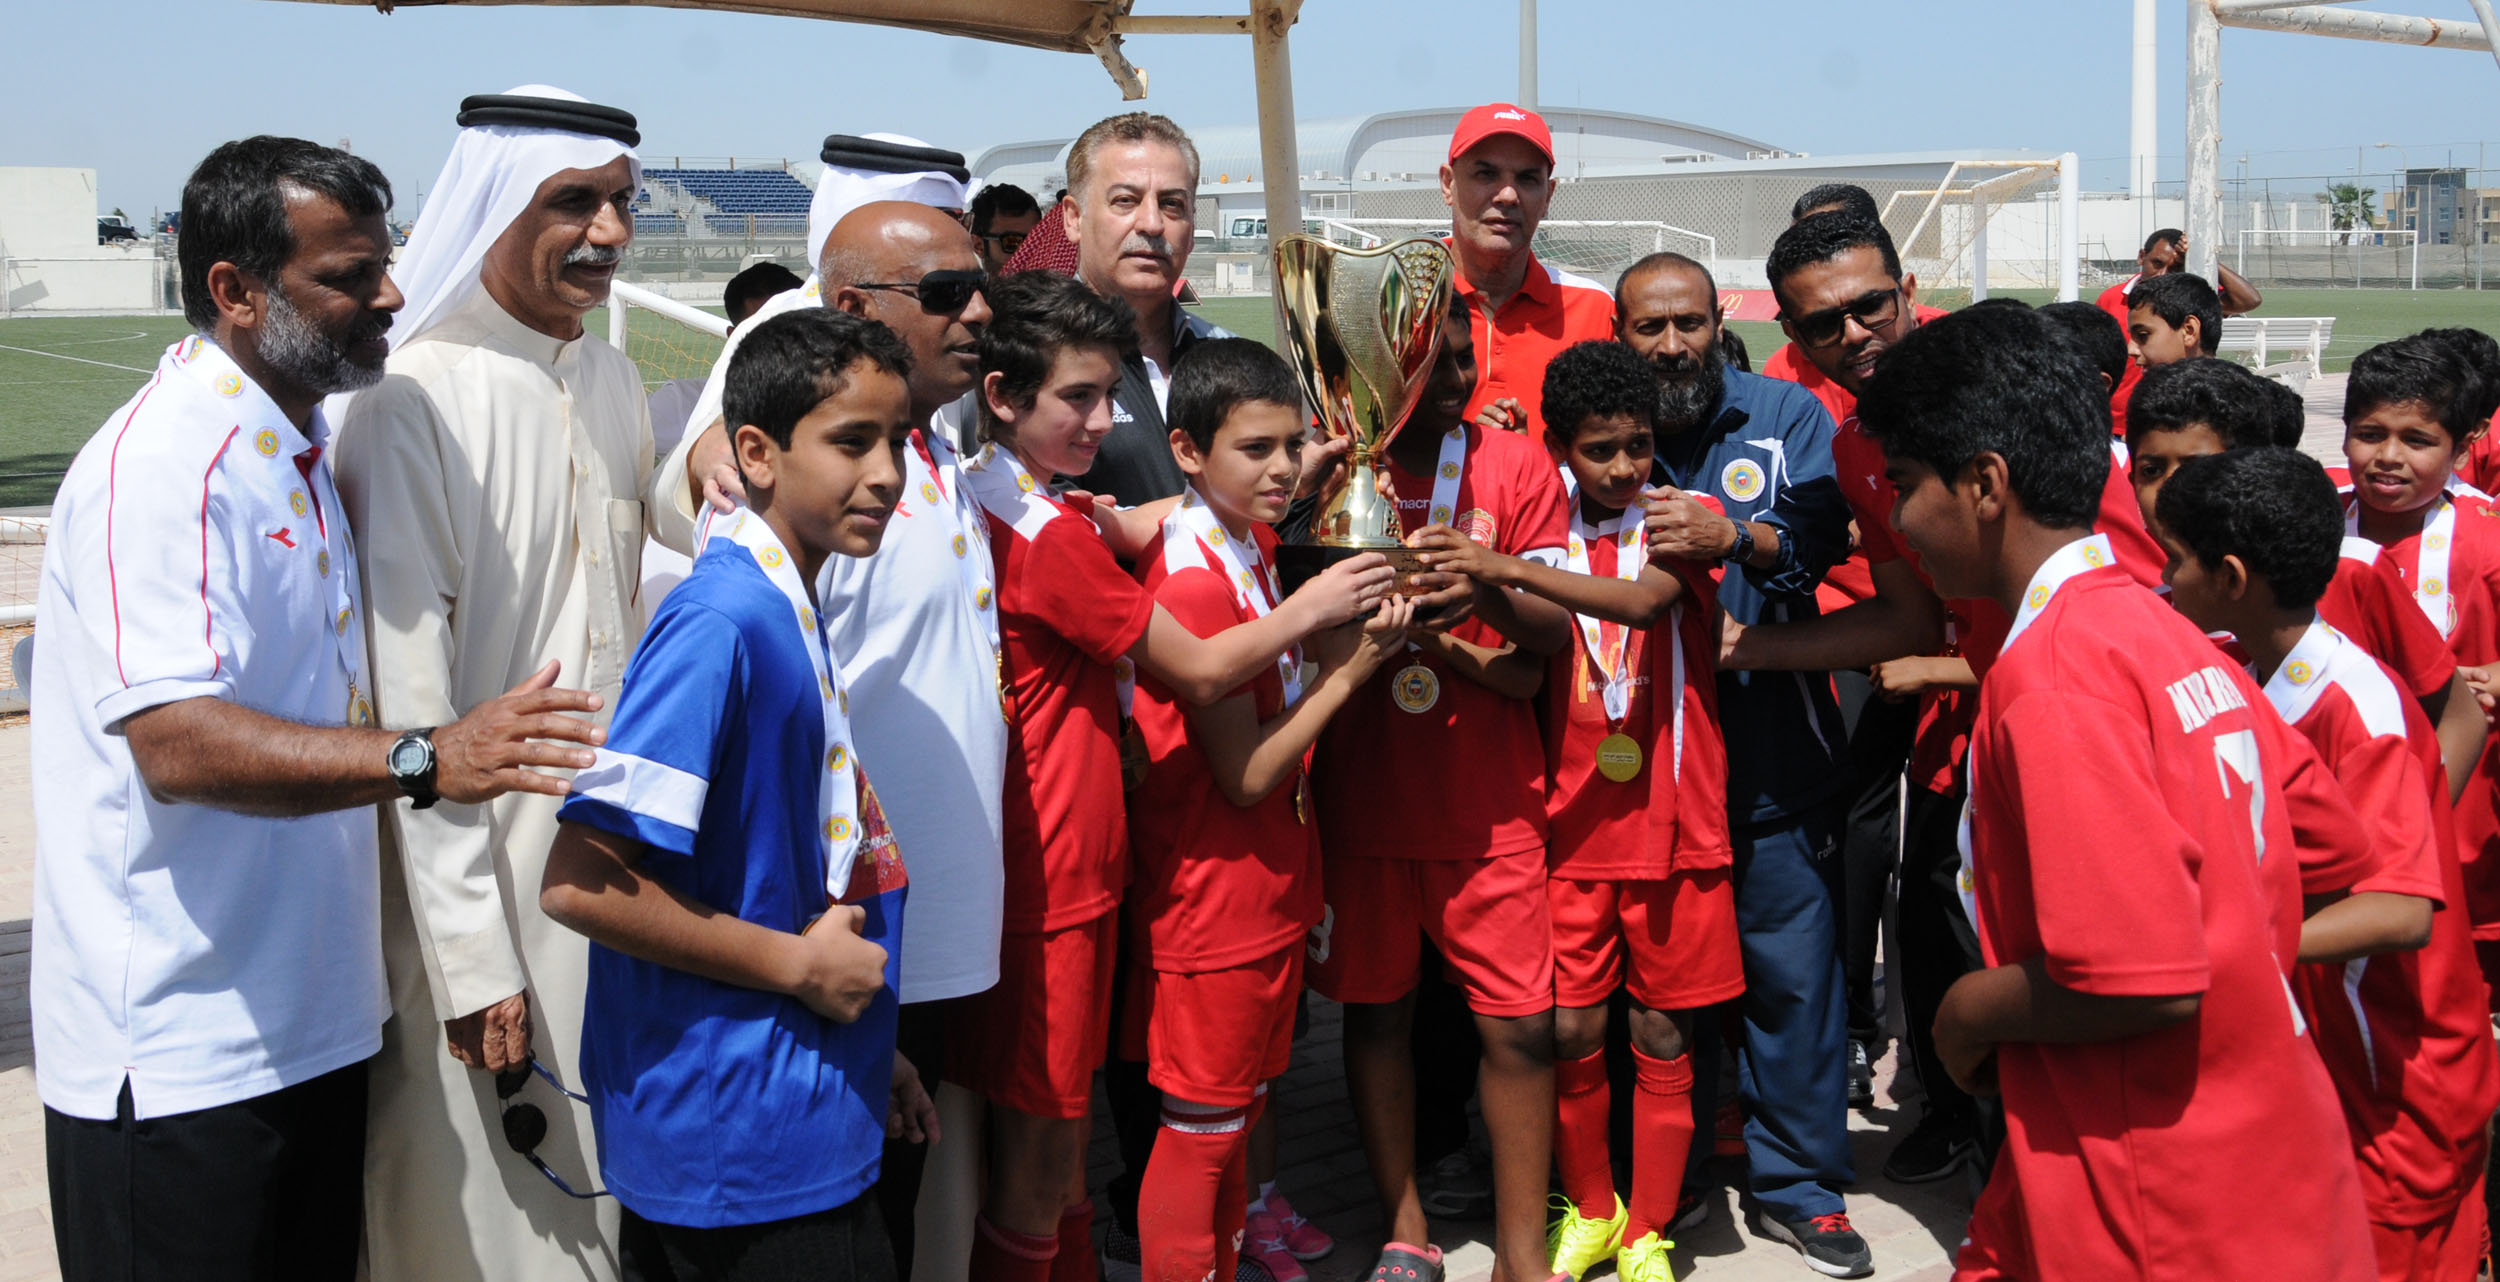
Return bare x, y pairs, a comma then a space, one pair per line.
1574, 1243
1645, 1260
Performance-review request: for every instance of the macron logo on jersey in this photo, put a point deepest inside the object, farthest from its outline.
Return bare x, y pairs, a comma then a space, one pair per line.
2202, 696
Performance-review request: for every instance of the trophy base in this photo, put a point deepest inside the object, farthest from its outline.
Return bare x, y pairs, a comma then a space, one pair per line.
1297, 563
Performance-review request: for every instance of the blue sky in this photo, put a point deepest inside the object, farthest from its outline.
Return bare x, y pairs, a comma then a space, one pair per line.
139, 89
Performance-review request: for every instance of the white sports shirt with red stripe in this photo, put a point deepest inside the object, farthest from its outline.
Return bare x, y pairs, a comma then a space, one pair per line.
197, 551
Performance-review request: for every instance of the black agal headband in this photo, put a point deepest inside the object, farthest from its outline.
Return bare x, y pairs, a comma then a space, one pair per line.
550, 113
871, 156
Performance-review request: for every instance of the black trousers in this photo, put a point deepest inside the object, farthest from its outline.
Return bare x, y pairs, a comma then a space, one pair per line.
919, 1036
1880, 733
1938, 943
845, 1244
268, 1189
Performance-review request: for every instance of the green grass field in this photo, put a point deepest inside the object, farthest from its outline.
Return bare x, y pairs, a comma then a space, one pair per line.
60, 379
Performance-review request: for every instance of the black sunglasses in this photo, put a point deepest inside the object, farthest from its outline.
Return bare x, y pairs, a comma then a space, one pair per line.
525, 1125
941, 293
1872, 310
1008, 241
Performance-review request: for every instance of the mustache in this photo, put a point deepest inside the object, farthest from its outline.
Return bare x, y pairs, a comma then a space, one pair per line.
1141, 243
594, 256
1677, 365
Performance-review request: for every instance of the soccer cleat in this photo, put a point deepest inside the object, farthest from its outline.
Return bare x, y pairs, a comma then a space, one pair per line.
1574, 1243
1123, 1258
1692, 1210
1402, 1263
1307, 1241
1458, 1187
1830, 1246
1645, 1260
1263, 1240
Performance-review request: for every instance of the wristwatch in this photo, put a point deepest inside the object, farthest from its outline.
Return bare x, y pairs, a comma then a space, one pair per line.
411, 763
1743, 551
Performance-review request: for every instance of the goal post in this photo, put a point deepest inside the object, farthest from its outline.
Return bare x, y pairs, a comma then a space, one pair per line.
1990, 223
666, 339
2352, 257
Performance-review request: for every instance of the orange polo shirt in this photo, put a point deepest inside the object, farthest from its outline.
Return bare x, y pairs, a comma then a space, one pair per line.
1552, 310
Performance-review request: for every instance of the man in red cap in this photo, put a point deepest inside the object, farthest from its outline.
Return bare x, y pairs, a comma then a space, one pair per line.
1497, 182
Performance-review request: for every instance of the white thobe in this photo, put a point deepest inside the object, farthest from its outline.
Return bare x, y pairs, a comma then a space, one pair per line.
497, 479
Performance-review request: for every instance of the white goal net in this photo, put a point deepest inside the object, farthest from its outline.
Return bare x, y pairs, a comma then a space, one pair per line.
2313, 257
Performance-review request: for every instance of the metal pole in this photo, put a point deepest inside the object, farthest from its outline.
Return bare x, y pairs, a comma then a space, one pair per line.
2355, 24
2143, 122
2069, 227
1979, 252
1527, 54
1272, 70
2491, 25
2204, 137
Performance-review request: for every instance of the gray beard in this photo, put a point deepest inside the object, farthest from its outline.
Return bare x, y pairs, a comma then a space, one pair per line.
295, 349
1684, 403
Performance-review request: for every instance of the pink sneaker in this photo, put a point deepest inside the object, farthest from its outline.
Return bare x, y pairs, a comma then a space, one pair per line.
1263, 1241
1306, 1240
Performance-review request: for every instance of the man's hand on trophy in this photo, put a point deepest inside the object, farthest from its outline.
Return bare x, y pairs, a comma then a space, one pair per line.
1683, 525
1344, 591
1321, 460
1443, 599
1503, 414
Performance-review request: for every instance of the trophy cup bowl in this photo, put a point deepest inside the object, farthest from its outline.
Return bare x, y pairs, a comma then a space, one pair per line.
1361, 328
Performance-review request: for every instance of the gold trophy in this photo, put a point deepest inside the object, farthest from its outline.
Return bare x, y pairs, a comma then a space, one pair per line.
1362, 327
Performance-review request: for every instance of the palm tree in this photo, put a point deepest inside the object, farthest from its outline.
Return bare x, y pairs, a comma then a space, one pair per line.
2350, 207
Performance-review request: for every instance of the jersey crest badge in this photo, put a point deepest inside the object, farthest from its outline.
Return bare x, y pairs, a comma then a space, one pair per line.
1742, 479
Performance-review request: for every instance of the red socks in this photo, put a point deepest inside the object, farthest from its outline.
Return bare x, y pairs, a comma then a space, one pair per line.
1195, 1192
1077, 1261
1662, 1136
1581, 1102
1004, 1255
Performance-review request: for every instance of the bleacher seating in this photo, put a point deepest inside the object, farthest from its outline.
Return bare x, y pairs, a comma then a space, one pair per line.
739, 191
652, 223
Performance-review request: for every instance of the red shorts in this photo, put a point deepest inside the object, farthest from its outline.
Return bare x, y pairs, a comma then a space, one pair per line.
2443, 1249
1216, 1036
1672, 942
1032, 1042
1487, 916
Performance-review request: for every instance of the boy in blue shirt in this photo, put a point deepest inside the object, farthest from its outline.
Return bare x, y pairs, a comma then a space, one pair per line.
728, 862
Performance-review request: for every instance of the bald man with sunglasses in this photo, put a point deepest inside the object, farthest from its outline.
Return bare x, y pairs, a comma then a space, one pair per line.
915, 629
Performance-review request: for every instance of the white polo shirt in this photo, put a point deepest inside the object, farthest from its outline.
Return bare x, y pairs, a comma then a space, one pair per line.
197, 550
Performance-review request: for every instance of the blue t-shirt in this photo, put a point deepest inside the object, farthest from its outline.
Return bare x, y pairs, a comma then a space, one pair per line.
717, 1105
1767, 455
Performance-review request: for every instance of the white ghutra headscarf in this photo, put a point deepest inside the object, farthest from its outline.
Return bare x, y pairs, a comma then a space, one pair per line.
493, 172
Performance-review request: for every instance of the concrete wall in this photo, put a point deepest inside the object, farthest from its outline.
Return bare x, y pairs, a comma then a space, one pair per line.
46, 211
99, 279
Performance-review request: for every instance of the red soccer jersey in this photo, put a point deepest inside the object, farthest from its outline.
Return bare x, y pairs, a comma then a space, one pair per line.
1067, 612
2127, 828
2405, 1036
2368, 601
1672, 816
1217, 885
1424, 763
2467, 599
1552, 310
2481, 465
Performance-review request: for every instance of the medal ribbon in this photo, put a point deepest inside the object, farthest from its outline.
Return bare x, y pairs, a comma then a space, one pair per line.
2431, 589
970, 534
1194, 539
837, 784
1608, 642
1445, 474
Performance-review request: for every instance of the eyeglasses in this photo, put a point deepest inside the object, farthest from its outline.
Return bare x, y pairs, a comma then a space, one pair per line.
525, 1125
1873, 310
1008, 241
941, 293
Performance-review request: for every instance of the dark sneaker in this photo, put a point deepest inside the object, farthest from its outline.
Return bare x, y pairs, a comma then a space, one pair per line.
1458, 1187
1691, 1209
1123, 1260
1861, 1077
1830, 1246
1402, 1263
1249, 1270
1931, 1151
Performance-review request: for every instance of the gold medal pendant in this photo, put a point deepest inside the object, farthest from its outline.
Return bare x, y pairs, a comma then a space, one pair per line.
1132, 756
359, 708
1415, 688
1619, 757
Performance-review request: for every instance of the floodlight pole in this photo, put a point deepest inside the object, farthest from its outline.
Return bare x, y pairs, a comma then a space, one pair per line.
1527, 54
2069, 227
2143, 119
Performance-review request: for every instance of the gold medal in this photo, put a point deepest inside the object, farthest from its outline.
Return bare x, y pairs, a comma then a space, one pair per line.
1415, 687
1132, 756
1619, 757
1301, 798
359, 708
1006, 706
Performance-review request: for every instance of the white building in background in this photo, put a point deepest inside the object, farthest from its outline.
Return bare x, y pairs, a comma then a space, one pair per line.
49, 258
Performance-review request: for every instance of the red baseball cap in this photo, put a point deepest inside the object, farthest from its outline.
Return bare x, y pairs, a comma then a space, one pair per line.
1494, 118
